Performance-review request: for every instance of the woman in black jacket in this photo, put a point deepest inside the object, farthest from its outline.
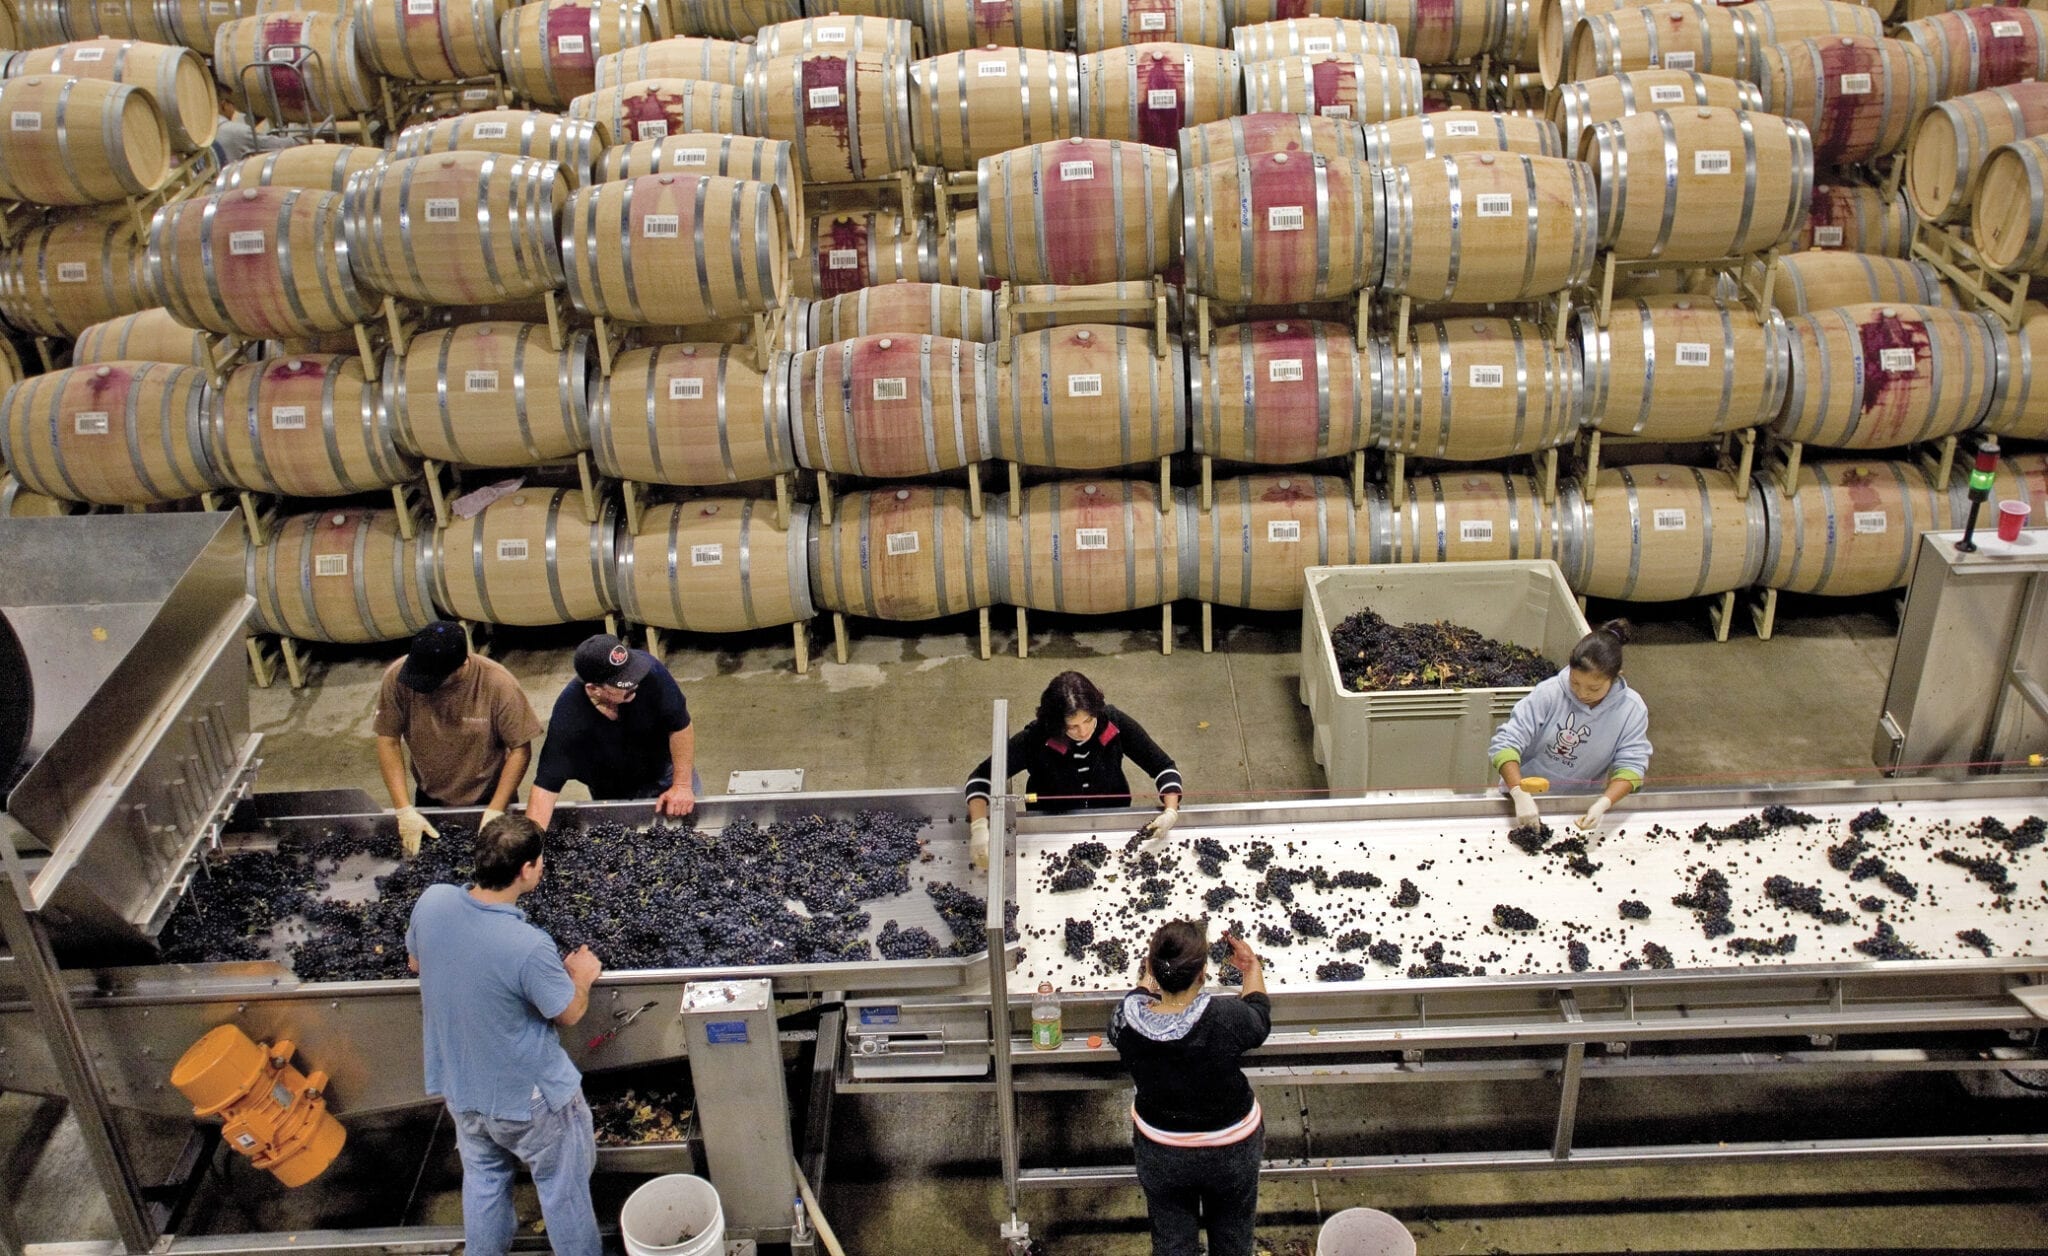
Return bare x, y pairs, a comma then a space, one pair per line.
1198, 1132
1073, 752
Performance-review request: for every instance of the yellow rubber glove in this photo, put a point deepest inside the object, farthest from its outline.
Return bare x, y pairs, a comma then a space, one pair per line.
411, 827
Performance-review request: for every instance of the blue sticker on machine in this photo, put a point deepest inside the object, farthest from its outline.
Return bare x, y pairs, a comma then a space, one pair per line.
717, 1032
880, 1015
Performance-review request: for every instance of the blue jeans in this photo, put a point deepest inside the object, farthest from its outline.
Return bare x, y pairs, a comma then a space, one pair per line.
1187, 1188
559, 1147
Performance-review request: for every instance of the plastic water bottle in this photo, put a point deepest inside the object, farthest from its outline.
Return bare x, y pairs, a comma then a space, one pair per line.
1045, 1018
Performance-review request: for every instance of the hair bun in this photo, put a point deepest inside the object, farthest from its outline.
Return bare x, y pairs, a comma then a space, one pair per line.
1619, 629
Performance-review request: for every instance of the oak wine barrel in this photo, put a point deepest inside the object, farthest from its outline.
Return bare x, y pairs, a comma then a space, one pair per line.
550, 48
836, 34
719, 248
1464, 516
1488, 227
1090, 547
892, 406
716, 564
304, 426
693, 414
115, 434
1314, 37
1681, 368
1578, 107
1977, 48
76, 141
1815, 281
1953, 139
654, 109
684, 57
907, 553
1470, 389
1788, 21
734, 19
1355, 88
1658, 533
2019, 400
1149, 92
458, 228
957, 25
2006, 219
1279, 392
1079, 211
1848, 527
1742, 182
176, 78
528, 559
194, 23
1441, 32
62, 276
1251, 547
1857, 96
347, 576
847, 113
1706, 38
906, 308
17, 502
1881, 376
850, 252
1452, 131
261, 263
430, 41
493, 394
1256, 134
1283, 227
573, 144
1089, 396
1104, 24
2018, 477
253, 59
315, 167
145, 336
1858, 219
965, 106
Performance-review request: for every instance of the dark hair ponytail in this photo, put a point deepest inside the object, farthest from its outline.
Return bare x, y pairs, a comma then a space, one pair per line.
1177, 955
1600, 650
1069, 694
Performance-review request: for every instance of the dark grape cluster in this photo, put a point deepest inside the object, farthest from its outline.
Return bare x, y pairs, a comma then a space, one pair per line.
1783, 944
966, 914
2029, 832
1154, 893
1895, 881
1437, 966
911, 943
1657, 957
1407, 895
1374, 655
1080, 935
1353, 940
1578, 955
1308, 924
1280, 882
1075, 877
1385, 952
1530, 839
1870, 902
1634, 909
1847, 853
1218, 896
1340, 970
1258, 855
1781, 817
1747, 829
1976, 938
1796, 896
1508, 917
1709, 903
233, 904
1988, 870
1885, 943
1112, 956
1871, 821
1349, 879
1271, 935
1092, 853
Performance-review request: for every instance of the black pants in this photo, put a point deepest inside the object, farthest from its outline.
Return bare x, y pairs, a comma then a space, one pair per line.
421, 798
1186, 1187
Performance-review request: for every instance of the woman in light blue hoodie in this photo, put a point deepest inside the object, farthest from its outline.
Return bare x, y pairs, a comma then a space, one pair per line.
1580, 731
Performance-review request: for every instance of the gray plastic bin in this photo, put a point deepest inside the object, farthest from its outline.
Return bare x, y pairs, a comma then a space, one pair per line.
1424, 738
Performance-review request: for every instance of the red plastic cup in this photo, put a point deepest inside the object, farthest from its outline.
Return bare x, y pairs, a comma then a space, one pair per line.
2012, 516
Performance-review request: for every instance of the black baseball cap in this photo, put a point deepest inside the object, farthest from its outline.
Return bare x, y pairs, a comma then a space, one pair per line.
437, 651
606, 660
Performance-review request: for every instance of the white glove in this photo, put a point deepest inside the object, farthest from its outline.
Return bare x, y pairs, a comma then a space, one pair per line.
489, 815
1525, 807
977, 842
1590, 822
1162, 824
411, 827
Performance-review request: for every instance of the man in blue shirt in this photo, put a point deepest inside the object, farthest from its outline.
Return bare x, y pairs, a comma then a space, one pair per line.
492, 990
622, 728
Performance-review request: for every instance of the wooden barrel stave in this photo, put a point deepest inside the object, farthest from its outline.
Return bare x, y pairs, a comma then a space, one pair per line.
1079, 211
2019, 401
1089, 397
331, 82
64, 275
1314, 37
734, 19
969, 105
1744, 183
437, 42
1442, 134
1356, 88
1816, 281
1880, 376
717, 564
1251, 547
145, 336
1464, 516
852, 252
951, 26
1859, 220
458, 228
1682, 368
1100, 25
1256, 134
916, 309
1315, 229
176, 78
1436, 255
76, 141
304, 426
315, 167
261, 263
1707, 39
693, 414
571, 143
1857, 96
654, 109
550, 49
492, 394
683, 56
527, 560
835, 34
1972, 49
908, 553
1090, 547
846, 113
1279, 392
1849, 527
1473, 389
1789, 21
1657, 533
1577, 107
114, 434
658, 225
892, 406
346, 576
1442, 32
1148, 93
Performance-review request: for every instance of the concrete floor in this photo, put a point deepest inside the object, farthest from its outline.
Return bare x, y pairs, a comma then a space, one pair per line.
911, 708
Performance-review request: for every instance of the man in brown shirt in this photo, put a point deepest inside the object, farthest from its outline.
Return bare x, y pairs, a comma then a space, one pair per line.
467, 723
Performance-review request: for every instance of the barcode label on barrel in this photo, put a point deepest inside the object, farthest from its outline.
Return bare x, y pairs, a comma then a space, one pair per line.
89, 54
287, 418
992, 69
661, 226
707, 555
1084, 385
71, 272
1319, 46
900, 543
330, 564
1855, 84
1475, 531
479, 381
475, 95
1667, 520
1074, 171
1091, 538
247, 243
1151, 21
420, 8
512, 550
824, 98
1827, 237
1693, 353
1488, 376
654, 129
1871, 522
90, 423
1284, 218
1467, 129
842, 259
277, 54
1712, 161
690, 157
219, 8
1895, 361
26, 120
1284, 371
1162, 98
569, 45
1496, 205
444, 209
1283, 531
832, 35
490, 130
896, 388
686, 389
1667, 94
1335, 111
1678, 61
2005, 30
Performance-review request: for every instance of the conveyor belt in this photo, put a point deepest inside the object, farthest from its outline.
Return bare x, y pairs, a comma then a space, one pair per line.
1464, 867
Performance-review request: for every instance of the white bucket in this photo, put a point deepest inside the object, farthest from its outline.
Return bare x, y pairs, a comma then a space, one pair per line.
675, 1215
1363, 1232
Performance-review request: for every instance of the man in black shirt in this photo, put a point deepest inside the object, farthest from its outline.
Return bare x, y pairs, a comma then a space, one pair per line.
622, 728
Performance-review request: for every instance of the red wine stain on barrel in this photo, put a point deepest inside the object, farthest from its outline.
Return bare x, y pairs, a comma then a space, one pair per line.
1436, 31
250, 284
1336, 83
1138, 34
1287, 10
888, 414
1160, 127
1849, 125
991, 18
104, 382
2001, 61
1283, 261
431, 19
1889, 395
289, 83
1271, 133
1286, 492
1081, 224
650, 106
1829, 209
1285, 410
846, 235
576, 72
285, 370
821, 74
